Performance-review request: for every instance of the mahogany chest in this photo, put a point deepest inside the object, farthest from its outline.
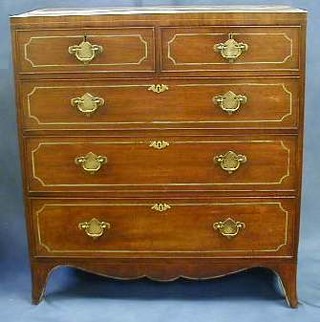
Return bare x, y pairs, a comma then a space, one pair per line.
161, 142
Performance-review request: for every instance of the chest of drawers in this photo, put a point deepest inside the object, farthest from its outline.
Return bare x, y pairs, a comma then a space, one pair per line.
161, 142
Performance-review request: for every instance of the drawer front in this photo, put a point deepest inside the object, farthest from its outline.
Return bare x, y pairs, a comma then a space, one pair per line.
110, 50
219, 163
177, 228
219, 103
230, 48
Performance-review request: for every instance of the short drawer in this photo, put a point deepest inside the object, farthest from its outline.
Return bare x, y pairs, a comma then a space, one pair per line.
171, 163
110, 50
103, 104
166, 228
230, 48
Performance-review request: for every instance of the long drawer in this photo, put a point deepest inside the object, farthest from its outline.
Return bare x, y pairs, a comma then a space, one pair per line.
87, 50
230, 48
233, 163
152, 228
246, 103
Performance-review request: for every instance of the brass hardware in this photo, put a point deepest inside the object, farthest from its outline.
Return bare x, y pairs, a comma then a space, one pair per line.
94, 228
87, 104
229, 228
230, 102
161, 207
159, 145
85, 51
158, 88
231, 49
91, 162
230, 161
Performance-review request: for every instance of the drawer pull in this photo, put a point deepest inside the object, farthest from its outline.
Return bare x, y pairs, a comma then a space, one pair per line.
231, 49
91, 162
94, 228
159, 145
230, 161
158, 88
87, 104
229, 228
230, 102
85, 52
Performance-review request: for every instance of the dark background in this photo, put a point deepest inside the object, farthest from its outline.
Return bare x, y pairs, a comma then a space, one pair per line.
249, 296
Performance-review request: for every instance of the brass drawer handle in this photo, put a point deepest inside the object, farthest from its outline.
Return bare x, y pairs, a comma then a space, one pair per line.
85, 51
230, 102
158, 88
229, 228
94, 228
87, 103
231, 49
91, 162
230, 161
